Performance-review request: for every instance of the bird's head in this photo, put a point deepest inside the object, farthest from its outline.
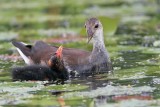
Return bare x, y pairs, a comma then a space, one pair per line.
56, 63
93, 26
56, 60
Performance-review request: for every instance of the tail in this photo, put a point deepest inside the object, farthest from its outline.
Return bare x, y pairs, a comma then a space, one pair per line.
33, 72
24, 50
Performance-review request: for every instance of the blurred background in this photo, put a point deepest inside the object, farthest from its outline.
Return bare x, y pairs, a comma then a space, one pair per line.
28, 20
131, 31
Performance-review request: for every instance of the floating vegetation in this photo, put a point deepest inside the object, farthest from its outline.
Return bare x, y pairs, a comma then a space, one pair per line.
131, 30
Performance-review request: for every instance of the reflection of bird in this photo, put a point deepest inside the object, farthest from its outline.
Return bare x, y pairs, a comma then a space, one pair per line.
54, 71
78, 60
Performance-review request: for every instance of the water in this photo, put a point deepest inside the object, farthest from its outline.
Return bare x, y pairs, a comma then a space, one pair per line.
134, 49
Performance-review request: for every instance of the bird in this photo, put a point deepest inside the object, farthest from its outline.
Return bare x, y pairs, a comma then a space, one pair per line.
54, 71
77, 61
99, 60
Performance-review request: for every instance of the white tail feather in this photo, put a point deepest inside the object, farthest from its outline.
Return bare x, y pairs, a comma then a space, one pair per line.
25, 58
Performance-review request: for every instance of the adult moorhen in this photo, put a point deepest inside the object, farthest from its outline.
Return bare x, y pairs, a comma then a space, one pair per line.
55, 70
78, 60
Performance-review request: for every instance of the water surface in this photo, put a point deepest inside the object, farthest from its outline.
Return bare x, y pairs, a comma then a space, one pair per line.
132, 37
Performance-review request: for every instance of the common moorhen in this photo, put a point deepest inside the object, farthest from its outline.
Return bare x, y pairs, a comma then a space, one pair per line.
55, 70
78, 60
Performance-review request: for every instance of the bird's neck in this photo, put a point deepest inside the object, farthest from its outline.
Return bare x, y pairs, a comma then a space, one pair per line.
98, 41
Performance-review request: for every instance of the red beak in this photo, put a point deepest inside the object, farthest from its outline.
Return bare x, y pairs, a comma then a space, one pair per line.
59, 52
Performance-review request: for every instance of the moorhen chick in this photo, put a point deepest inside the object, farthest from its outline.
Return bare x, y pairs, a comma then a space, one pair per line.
82, 61
55, 70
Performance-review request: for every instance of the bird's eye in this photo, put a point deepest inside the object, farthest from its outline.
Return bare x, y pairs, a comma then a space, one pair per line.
96, 26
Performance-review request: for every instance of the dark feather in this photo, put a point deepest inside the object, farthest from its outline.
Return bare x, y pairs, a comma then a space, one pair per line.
36, 72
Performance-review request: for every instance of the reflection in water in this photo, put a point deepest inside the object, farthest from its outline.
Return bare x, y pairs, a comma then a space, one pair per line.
104, 92
142, 96
101, 101
94, 81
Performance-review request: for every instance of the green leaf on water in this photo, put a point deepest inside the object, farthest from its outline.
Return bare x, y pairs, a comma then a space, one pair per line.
109, 24
83, 32
67, 87
19, 84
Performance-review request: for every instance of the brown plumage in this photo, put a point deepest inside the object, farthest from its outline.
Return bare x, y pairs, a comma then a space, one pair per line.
77, 60
55, 70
